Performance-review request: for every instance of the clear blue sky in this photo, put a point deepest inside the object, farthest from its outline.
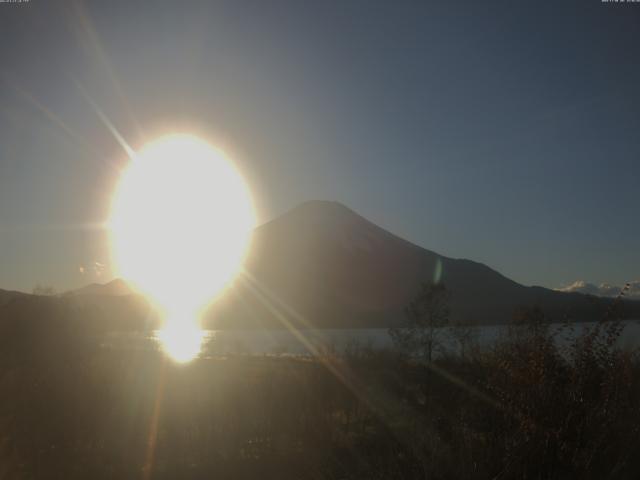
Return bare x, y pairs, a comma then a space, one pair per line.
505, 132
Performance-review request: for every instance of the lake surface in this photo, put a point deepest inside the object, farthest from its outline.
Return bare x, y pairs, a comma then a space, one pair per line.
308, 342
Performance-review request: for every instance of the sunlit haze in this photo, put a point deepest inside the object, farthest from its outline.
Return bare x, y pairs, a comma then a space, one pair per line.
180, 225
298, 239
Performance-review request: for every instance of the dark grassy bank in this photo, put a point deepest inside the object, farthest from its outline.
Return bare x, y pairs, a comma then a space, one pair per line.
523, 409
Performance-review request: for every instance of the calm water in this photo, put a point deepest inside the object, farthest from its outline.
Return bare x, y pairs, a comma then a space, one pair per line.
305, 342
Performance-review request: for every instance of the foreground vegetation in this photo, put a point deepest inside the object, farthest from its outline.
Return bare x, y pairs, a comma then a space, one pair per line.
526, 408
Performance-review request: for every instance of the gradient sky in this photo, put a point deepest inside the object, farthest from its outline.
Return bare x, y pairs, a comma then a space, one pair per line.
504, 132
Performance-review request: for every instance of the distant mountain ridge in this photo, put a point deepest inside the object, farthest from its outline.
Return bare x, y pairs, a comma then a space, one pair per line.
322, 265
335, 269
7, 296
631, 289
114, 287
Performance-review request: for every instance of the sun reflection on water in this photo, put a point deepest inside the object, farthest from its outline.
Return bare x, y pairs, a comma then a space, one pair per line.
182, 341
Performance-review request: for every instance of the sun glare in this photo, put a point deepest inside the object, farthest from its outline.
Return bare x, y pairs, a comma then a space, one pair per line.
181, 341
181, 223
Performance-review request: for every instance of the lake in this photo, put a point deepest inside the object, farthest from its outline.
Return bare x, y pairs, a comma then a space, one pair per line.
308, 341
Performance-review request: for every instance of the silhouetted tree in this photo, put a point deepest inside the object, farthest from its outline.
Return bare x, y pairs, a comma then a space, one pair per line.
464, 336
427, 314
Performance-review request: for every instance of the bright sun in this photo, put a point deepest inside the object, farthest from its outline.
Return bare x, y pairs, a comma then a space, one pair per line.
181, 223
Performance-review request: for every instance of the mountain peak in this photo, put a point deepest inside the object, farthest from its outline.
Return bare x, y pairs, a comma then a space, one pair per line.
115, 287
320, 206
323, 215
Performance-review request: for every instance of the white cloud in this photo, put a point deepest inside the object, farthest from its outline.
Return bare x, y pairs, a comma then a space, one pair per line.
603, 290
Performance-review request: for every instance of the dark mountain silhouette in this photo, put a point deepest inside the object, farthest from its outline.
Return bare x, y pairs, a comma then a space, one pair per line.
8, 295
114, 287
337, 269
92, 313
322, 265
